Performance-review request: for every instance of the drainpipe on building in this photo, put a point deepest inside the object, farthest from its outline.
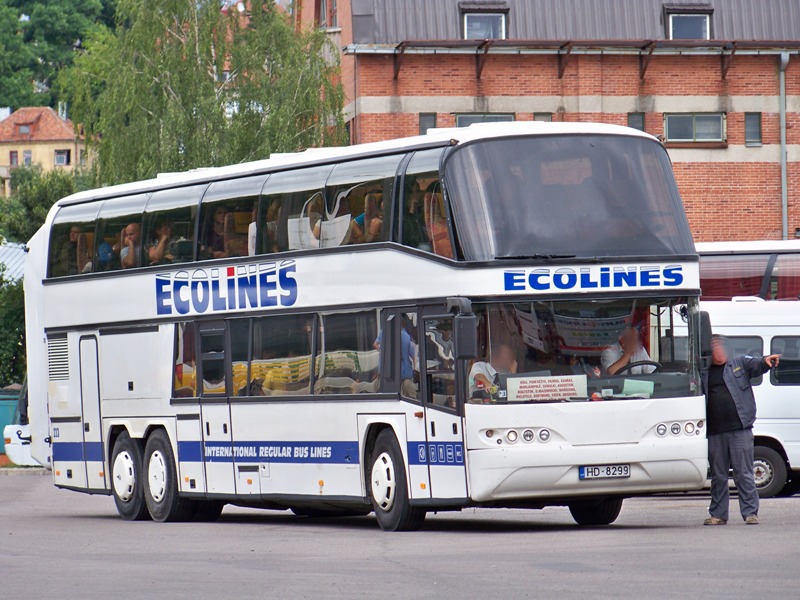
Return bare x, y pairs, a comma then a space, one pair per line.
784, 62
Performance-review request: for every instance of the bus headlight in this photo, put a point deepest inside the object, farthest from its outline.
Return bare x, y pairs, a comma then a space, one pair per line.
689, 428
527, 435
544, 435
512, 436
661, 429
675, 428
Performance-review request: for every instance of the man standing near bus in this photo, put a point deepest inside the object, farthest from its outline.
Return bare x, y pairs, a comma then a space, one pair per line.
730, 414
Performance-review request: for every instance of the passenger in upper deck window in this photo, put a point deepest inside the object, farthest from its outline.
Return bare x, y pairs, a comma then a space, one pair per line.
131, 253
370, 221
159, 250
627, 350
414, 233
214, 240
68, 257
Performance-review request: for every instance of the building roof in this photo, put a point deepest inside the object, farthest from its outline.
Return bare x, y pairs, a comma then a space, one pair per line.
44, 126
12, 256
396, 21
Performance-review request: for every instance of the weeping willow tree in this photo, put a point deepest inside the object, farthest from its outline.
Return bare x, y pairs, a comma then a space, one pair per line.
182, 84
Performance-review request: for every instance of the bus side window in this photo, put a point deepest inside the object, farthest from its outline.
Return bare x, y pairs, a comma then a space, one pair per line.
358, 202
423, 222
243, 383
185, 381
723, 277
349, 360
292, 204
212, 362
118, 243
228, 218
72, 240
169, 225
281, 363
786, 277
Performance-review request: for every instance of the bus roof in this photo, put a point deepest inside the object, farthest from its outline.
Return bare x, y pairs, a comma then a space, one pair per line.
280, 161
751, 247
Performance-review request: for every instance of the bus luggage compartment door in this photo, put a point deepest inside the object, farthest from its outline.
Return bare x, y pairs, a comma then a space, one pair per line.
90, 405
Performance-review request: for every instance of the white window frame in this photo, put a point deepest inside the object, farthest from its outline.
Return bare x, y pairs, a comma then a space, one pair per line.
24, 129
62, 154
691, 14
27, 158
474, 13
723, 127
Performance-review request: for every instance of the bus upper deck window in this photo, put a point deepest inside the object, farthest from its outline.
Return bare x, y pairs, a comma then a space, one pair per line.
170, 215
228, 218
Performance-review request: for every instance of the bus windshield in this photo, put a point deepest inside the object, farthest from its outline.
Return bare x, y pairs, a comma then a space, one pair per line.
556, 351
568, 195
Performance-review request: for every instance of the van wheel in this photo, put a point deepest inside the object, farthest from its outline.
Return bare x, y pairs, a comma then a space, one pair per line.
769, 471
598, 512
126, 479
388, 488
161, 487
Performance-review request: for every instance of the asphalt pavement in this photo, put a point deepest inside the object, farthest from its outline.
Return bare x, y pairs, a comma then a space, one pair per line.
62, 544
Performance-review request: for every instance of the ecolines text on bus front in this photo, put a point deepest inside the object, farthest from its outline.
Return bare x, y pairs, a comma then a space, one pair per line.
261, 285
593, 278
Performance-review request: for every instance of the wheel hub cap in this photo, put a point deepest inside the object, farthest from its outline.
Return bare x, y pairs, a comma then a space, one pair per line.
383, 482
157, 476
124, 476
762, 473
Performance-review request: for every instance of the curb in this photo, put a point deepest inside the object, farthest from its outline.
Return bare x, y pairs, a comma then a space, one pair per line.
8, 471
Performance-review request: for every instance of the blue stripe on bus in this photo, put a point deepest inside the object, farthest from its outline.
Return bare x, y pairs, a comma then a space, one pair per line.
436, 453
74, 451
273, 452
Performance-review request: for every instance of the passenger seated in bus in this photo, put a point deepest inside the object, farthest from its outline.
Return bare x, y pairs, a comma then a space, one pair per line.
626, 351
408, 354
484, 376
271, 220
583, 365
160, 248
68, 256
105, 258
131, 253
213, 245
436, 221
370, 222
414, 233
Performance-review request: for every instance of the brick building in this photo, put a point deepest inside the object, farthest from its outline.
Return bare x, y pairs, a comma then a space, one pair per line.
38, 136
718, 81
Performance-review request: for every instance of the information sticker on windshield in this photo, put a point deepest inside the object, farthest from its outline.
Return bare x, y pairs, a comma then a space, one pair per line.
604, 471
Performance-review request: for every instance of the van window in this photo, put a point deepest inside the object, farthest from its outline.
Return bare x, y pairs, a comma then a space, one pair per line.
72, 240
169, 224
745, 345
788, 371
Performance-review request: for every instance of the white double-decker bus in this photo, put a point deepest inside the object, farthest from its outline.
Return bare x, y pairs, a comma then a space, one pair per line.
397, 327
751, 292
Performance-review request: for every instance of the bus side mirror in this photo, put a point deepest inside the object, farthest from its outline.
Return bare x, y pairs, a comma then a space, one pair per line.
466, 336
705, 334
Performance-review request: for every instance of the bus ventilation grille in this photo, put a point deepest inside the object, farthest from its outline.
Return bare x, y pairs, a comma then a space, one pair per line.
57, 358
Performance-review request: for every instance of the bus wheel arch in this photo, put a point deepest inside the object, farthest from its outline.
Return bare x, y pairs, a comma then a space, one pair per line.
770, 467
387, 485
127, 476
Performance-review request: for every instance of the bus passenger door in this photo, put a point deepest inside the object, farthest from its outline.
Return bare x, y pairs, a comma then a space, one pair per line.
215, 410
445, 440
93, 453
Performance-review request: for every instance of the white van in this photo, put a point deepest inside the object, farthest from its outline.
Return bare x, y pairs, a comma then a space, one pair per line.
750, 290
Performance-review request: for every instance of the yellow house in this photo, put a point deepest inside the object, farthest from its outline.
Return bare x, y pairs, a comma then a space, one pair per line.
39, 136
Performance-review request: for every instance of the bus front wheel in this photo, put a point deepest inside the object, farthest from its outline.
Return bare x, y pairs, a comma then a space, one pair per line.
597, 512
388, 488
161, 483
126, 479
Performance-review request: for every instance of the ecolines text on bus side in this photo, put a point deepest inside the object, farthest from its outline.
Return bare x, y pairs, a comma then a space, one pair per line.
261, 285
593, 278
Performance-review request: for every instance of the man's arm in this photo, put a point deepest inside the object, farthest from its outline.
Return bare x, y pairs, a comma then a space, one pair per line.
758, 365
607, 358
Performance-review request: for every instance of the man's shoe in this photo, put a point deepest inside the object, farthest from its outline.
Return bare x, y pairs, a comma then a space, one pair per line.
718, 521
751, 520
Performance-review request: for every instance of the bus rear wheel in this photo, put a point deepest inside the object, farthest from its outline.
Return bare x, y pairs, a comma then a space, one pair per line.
596, 512
161, 487
126, 479
388, 488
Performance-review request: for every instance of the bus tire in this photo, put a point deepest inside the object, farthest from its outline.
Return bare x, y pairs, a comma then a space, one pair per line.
597, 512
127, 479
769, 471
161, 482
387, 486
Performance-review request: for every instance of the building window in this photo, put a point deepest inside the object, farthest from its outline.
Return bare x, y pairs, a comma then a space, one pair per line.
543, 117
689, 26
752, 129
694, 127
27, 158
24, 129
13, 158
82, 159
426, 121
62, 158
484, 26
636, 120
326, 14
467, 119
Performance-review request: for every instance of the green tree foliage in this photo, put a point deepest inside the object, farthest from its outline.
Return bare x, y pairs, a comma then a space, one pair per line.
12, 332
183, 84
33, 194
37, 39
